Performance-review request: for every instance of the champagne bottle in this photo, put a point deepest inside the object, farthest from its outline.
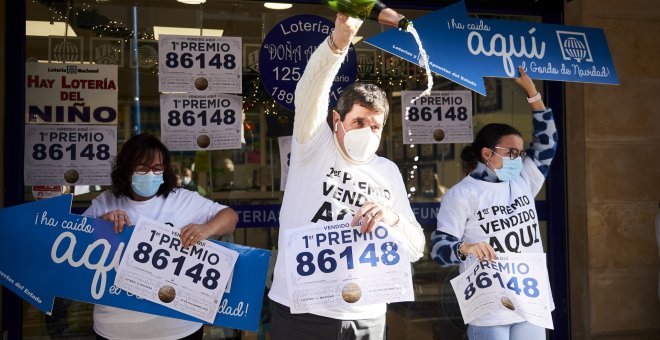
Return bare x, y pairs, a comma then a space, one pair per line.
370, 9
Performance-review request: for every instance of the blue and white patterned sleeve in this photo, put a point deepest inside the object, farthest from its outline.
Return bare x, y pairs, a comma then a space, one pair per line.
444, 249
543, 148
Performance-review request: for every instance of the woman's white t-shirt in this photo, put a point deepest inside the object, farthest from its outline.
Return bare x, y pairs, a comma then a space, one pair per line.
180, 208
502, 214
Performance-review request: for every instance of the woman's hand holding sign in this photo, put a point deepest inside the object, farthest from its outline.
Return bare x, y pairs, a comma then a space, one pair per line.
481, 250
119, 218
192, 233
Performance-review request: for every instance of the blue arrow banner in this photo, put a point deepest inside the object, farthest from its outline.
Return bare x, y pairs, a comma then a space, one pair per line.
47, 252
464, 49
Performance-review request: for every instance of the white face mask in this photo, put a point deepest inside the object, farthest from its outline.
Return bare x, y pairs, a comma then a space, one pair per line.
360, 144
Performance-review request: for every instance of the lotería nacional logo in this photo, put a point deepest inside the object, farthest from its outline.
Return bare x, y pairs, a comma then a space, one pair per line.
574, 46
365, 64
66, 51
107, 53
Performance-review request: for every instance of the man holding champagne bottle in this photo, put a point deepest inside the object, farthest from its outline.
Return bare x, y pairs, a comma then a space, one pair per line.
347, 147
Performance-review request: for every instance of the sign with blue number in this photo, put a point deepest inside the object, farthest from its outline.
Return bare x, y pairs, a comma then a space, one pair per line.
76, 257
464, 49
514, 283
201, 121
200, 64
440, 117
287, 48
70, 93
334, 265
285, 159
156, 267
69, 154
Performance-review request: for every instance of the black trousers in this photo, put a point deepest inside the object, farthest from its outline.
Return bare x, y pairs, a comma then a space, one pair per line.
305, 326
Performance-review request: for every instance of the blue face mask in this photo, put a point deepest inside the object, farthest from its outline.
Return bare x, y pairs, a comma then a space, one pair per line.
511, 168
146, 185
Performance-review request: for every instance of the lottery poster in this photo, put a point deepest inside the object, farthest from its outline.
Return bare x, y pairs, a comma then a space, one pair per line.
69, 154
333, 265
285, 159
71, 93
200, 64
195, 121
441, 117
513, 283
156, 267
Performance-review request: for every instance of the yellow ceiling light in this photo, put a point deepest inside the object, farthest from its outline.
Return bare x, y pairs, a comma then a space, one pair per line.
158, 30
46, 28
277, 5
192, 2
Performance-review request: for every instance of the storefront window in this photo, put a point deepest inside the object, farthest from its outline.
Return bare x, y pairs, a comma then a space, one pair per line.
87, 31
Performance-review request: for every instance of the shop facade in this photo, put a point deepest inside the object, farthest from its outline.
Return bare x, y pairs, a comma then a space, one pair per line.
250, 179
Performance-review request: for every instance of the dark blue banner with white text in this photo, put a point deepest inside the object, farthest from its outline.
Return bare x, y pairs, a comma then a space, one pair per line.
465, 49
47, 252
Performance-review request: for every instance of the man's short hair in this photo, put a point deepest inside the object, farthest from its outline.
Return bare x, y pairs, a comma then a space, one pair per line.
366, 95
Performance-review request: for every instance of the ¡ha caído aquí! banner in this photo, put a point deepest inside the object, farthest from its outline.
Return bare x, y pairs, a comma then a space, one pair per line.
47, 252
464, 49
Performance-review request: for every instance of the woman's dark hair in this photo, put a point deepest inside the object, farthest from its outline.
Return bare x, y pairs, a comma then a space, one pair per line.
468, 163
488, 137
138, 149
364, 94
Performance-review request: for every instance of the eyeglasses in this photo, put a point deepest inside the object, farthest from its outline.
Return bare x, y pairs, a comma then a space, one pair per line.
513, 152
143, 169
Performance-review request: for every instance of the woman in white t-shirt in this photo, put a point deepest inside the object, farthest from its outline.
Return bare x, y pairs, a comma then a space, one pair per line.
505, 181
144, 184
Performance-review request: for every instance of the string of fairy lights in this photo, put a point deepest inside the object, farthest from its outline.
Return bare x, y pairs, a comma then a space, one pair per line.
112, 28
399, 76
